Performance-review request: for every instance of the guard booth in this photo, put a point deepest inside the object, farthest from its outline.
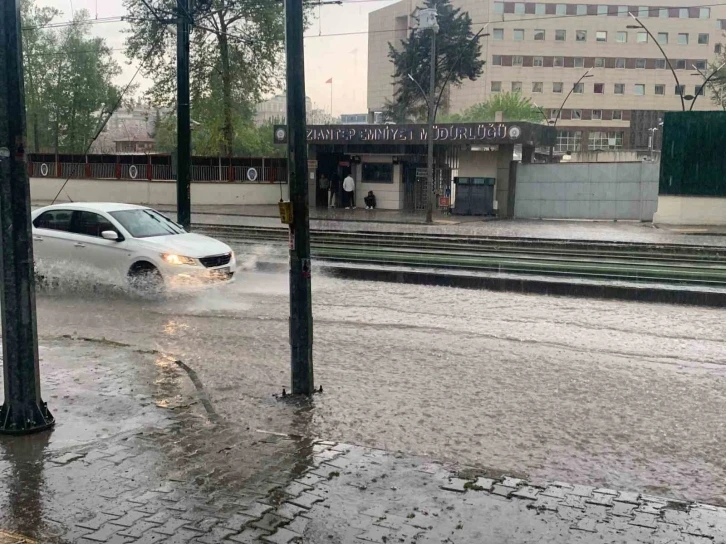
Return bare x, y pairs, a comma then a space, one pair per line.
474, 196
391, 161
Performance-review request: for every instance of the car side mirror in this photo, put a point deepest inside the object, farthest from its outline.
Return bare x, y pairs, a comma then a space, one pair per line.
111, 235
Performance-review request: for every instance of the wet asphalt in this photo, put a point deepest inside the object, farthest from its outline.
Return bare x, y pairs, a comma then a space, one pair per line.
615, 394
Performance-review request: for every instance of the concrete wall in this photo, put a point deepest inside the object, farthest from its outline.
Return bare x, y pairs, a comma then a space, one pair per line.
389, 196
155, 192
691, 210
612, 156
587, 191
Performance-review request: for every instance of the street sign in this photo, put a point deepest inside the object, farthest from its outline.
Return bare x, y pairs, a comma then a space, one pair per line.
312, 165
422, 172
252, 174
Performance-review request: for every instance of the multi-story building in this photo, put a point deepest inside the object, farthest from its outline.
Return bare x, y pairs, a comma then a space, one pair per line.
542, 48
274, 110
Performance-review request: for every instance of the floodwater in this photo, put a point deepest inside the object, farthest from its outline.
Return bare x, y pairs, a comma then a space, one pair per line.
617, 394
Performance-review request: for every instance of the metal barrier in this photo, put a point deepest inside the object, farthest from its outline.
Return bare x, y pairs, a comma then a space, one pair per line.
161, 172
103, 170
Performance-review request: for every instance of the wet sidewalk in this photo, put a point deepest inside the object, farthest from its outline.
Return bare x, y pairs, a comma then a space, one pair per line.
140, 455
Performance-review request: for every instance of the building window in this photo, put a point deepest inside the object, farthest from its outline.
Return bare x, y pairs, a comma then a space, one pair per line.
681, 64
599, 88
660, 89
578, 88
703, 39
717, 49
617, 115
640, 89
622, 11
496, 60
683, 39
602, 10
519, 8
496, 86
561, 9
558, 62
537, 86
581, 9
518, 34
576, 115
568, 141
596, 115
643, 12
641, 37
640, 64
581, 35
557, 87
704, 13
600, 140
498, 33
538, 62
619, 63
560, 35
700, 64
663, 13
579, 62
539, 35
680, 90
683, 13
619, 88
660, 64
601, 36
599, 62
699, 90
516, 86
539, 9
662, 38
517, 60
621, 37
498, 7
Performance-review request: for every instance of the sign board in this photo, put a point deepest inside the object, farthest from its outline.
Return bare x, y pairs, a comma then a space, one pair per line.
312, 165
252, 174
444, 202
422, 172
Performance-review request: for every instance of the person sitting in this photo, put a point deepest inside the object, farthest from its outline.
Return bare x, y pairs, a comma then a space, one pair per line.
370, 201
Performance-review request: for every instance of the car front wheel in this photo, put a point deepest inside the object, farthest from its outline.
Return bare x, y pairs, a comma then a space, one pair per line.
146, 278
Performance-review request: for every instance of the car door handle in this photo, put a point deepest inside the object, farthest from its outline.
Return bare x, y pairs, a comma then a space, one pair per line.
79, 244
37, 238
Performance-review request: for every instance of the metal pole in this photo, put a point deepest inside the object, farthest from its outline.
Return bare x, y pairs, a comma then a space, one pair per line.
301, 315
430, 133
23, 410
183, 118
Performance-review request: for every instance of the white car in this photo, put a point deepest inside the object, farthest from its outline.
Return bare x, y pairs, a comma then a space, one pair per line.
133, 243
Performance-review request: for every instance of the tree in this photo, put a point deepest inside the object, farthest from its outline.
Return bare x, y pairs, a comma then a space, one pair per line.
513, 106
717, 84
69, 80
457, 56
236, 49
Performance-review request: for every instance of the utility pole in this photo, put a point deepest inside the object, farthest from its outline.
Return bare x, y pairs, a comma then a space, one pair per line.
183, 118
428, 20
301, 314
23, 410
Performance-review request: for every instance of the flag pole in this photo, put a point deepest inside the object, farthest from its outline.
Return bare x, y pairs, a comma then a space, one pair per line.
331, 99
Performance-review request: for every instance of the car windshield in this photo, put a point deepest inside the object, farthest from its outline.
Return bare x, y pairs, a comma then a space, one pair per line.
145, 223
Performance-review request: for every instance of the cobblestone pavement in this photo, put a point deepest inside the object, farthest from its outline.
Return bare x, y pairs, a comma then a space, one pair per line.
139, 456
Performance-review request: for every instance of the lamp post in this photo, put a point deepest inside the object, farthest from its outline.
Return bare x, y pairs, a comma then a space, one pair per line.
668, 61
559, 112
707, 79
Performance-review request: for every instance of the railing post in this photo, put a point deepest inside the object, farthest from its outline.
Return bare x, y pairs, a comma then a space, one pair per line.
118, 167
88, 168
149, 171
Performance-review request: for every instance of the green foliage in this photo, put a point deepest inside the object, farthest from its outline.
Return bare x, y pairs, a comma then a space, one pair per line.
457, 53
68, 80
236, 57
514, 107
717, 84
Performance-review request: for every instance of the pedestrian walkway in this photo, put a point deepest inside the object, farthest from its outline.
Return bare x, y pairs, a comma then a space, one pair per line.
140, 456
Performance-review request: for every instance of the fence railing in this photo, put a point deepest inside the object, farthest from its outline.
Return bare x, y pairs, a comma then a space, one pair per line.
157, 172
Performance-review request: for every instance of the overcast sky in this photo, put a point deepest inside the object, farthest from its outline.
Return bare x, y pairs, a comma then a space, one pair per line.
344, 58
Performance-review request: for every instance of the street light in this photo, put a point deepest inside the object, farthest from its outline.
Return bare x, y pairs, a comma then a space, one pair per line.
707, 79
678, 83
559, 112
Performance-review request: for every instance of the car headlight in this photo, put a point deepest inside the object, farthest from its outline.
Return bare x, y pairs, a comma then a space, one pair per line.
171, 258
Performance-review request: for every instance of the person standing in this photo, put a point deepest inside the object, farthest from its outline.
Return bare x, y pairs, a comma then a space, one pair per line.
349, 192
334, 190
324, 189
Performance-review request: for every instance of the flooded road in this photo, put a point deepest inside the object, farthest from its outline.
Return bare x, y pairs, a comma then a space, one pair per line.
622, 395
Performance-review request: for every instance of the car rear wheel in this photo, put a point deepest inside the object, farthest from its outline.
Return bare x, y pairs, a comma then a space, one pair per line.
146, 278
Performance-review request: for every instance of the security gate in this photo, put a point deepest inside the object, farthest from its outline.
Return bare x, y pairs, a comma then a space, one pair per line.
474, 196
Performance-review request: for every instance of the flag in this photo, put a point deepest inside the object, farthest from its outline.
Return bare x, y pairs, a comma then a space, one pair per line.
329, 81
